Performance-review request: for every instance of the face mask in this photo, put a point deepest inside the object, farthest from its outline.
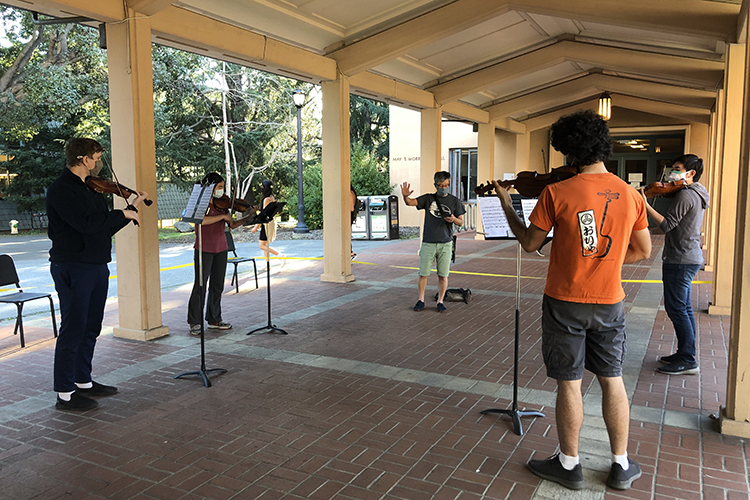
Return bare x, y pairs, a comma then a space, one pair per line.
218, 193
442, 191
98, 164
676, 175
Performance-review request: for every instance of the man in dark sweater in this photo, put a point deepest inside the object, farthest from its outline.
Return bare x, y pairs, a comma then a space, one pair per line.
442, 210
682, 259
81, 228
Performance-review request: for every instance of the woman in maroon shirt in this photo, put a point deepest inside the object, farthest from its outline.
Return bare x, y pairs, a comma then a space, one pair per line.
214, 254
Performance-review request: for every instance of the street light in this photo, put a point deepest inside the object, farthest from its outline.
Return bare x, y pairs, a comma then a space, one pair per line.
299, 100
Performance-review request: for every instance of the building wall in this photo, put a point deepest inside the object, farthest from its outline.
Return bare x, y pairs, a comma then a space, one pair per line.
404, 141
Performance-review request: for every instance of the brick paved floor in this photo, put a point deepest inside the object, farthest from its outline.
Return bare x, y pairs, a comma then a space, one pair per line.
364, 399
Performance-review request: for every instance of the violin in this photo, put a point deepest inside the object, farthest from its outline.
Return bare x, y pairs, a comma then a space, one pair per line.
105, 186
531, 184
664, 188
225, 203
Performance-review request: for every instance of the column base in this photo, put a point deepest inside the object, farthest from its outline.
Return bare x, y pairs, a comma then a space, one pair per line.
479, 237
733, 427
336, 278
719, 311
709, 269
127, 333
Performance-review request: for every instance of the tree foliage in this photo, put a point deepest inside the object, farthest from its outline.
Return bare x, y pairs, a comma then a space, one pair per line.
53, 86
369, 178
368, 126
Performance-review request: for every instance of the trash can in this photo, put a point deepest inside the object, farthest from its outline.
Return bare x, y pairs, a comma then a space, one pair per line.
361, 228
382, 212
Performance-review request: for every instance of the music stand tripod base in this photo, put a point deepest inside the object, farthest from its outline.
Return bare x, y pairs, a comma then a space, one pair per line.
269, 326
515, 415
203, 373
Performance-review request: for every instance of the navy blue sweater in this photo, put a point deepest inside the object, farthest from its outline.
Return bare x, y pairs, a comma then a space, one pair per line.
80, 223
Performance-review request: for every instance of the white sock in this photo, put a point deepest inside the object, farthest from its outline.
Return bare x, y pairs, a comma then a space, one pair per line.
65, 396
622, 460
87, 385
568, 462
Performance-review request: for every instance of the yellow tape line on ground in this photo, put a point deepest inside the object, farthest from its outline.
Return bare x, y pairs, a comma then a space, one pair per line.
491, 275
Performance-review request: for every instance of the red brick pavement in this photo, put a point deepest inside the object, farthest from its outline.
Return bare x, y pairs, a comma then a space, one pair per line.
271, 429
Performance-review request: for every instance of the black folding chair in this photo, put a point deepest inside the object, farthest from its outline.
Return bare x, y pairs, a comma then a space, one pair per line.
236, 261
9, 276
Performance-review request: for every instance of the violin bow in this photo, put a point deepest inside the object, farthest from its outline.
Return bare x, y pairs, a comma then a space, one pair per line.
119, 186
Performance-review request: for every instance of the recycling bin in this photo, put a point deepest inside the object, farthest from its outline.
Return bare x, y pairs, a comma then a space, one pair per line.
382, 213
361, 227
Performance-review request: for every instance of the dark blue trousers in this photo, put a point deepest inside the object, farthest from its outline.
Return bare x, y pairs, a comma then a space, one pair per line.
678, 281
82, 291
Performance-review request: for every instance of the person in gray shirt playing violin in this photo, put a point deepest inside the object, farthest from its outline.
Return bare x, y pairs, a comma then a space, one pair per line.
442, 210
681, 259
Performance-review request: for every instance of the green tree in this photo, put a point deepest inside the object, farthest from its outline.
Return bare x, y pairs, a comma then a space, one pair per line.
53, 86
368, 125
369, 178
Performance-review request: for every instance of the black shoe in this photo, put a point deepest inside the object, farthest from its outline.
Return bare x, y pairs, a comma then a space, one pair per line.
552, 470
679, 368
623, 479
669, 359
76, 403
97, 390
419, 305
441, 307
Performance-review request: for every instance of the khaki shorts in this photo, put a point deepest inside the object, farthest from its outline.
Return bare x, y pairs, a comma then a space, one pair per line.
430, 252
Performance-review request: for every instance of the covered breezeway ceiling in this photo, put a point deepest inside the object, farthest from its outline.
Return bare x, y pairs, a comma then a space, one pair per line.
480, 59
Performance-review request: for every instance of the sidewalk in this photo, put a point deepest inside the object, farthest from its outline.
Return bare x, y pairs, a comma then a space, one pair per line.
364, 399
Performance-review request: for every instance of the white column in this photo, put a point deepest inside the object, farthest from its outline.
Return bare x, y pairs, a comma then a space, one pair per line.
134, 159
726, 201
337, 265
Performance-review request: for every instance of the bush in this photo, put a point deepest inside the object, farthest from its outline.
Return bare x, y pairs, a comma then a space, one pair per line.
368, 178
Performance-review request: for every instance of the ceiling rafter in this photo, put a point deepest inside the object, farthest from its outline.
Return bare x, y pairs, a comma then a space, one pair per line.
713, 19
703, 72
149, 7
598, 83
545, 119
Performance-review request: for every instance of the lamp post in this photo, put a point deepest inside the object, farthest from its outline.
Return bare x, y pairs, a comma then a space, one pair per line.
299, 100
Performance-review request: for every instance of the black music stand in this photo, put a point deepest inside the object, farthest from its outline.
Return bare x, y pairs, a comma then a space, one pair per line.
195, 212
263, 217
514, 413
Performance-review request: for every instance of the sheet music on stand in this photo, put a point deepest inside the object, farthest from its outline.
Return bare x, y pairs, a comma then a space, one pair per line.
197, 205
494, 221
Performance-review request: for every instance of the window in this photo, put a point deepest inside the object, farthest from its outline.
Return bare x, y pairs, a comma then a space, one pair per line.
463, 170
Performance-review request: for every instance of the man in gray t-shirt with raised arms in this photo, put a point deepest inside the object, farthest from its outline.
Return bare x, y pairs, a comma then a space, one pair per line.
442, 210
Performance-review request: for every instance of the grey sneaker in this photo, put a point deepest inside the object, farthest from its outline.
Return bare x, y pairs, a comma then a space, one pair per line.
220, 326
679, 368
552, 470
623, 479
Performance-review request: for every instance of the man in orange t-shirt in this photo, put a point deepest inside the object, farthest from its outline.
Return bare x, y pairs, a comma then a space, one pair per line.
600, 223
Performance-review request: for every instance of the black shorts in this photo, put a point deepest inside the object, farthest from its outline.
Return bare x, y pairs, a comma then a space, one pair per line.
577, 336
263, 236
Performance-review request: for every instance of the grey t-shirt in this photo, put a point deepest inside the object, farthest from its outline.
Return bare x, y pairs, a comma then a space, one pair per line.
682, 226
436, 230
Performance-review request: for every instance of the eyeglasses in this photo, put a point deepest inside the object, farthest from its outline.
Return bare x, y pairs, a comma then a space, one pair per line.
446, 184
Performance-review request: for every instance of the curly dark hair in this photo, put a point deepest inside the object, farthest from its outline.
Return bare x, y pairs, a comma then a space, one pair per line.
582, 136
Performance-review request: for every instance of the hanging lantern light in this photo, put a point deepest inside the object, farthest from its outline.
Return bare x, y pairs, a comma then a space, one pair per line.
605, 106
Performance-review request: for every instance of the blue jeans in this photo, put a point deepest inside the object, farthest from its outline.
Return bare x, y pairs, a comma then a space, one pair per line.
677, 279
